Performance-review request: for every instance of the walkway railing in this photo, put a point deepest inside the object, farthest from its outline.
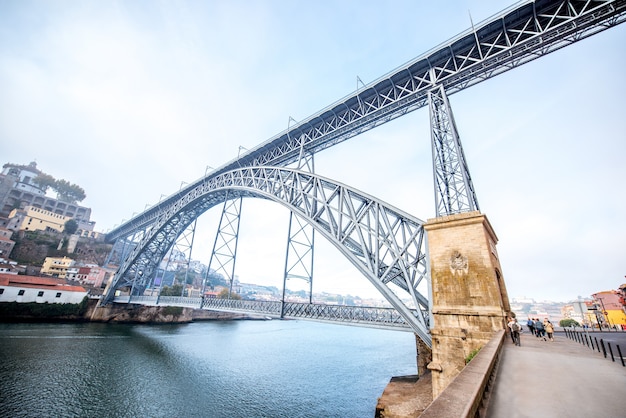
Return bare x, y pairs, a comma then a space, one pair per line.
584, 338
368, 316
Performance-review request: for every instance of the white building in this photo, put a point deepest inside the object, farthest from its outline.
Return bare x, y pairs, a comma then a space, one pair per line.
23, 289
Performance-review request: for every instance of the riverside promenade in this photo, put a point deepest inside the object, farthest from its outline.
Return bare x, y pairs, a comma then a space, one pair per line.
556, 379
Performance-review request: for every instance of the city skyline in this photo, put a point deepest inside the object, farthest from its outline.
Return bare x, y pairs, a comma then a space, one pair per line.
132, 101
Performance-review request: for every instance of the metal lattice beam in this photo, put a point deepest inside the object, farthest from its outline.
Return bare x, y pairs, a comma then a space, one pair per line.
384, 243
224, 255
454, 191
514, 37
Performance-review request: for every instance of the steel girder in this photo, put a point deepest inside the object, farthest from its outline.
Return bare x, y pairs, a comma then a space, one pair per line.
300, 251
516, 36
300, 240
387, 318
367, 316
384, 243
454, 190
224, 255
179, 252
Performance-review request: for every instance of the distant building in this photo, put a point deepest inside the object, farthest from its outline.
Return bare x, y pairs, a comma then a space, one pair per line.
6, 268
85, 230
18, 189
25, 289
581, 311
56, 267
36, 219
6, 244
88, 275
609, 308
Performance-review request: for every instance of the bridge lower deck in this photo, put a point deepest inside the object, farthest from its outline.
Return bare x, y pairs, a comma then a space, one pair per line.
559, 378
367, 316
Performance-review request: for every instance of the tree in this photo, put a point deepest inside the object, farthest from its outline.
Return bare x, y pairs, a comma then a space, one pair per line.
569, 322
175, 290
70, 227
214, 279
224, 295
70, 193
45, 181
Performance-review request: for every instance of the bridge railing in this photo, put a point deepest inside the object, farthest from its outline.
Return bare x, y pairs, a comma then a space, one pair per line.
357, 315
160, 300
371, 316
387, 317
271, 308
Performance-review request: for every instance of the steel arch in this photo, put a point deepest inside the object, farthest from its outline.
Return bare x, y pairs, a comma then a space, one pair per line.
387, 245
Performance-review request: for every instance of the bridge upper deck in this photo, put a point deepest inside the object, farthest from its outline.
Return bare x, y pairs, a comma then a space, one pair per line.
515, 36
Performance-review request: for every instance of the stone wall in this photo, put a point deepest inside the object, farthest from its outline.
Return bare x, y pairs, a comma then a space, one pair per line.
469, 299
132, 313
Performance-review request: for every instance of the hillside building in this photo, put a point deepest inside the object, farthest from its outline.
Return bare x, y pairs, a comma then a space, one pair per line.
18, 189
56, 267
6, 244
36, 219
23, 289
88, 275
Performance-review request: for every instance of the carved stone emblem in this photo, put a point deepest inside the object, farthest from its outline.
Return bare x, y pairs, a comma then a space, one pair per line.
458, 263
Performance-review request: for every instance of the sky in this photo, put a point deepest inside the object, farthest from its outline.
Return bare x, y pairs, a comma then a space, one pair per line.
131, 100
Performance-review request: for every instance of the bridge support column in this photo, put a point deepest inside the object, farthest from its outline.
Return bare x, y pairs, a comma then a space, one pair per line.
469, 298
424, 356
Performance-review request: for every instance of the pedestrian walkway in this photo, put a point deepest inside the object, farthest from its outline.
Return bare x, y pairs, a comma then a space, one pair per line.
558, 378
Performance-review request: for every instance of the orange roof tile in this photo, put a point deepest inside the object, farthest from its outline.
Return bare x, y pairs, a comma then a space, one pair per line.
37, 282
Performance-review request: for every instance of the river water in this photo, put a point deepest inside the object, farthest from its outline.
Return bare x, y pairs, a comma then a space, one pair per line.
203, 369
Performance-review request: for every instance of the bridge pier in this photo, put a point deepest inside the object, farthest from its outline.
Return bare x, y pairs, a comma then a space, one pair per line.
469, 298
424, 356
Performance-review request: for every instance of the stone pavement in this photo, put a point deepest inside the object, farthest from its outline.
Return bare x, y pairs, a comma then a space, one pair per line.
556, 379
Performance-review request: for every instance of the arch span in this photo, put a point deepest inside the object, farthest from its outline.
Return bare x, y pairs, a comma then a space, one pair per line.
385, 244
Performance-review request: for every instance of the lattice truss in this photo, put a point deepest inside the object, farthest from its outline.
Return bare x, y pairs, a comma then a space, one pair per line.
505, 41
385, 244
224, 253
454, 190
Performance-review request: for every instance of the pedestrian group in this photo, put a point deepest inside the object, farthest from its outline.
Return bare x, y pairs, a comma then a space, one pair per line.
537, 328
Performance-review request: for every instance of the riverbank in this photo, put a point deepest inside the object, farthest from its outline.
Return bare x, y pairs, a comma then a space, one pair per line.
88, 311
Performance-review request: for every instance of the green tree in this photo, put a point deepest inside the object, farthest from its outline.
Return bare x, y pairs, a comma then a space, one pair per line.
44, 181
224, 295
70, 193
172, 291
70, 227
569, 322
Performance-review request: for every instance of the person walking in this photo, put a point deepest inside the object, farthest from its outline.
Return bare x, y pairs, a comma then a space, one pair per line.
510, 321
515, 329
531, 326
539, 330
547, 325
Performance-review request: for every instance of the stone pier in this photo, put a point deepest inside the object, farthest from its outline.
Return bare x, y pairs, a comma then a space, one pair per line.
469, 299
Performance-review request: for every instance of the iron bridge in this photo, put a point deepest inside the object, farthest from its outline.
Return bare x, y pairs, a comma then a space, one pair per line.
387, 245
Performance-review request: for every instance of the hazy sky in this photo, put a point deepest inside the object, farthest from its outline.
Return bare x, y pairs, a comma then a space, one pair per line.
128, 99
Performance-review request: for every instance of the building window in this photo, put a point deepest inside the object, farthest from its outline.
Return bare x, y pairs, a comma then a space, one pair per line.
58, 294
21, 292
40, 294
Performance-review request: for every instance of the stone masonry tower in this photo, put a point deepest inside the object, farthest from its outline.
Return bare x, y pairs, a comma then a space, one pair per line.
469, 297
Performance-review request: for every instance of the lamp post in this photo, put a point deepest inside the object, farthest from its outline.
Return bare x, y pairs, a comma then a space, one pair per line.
605, 314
